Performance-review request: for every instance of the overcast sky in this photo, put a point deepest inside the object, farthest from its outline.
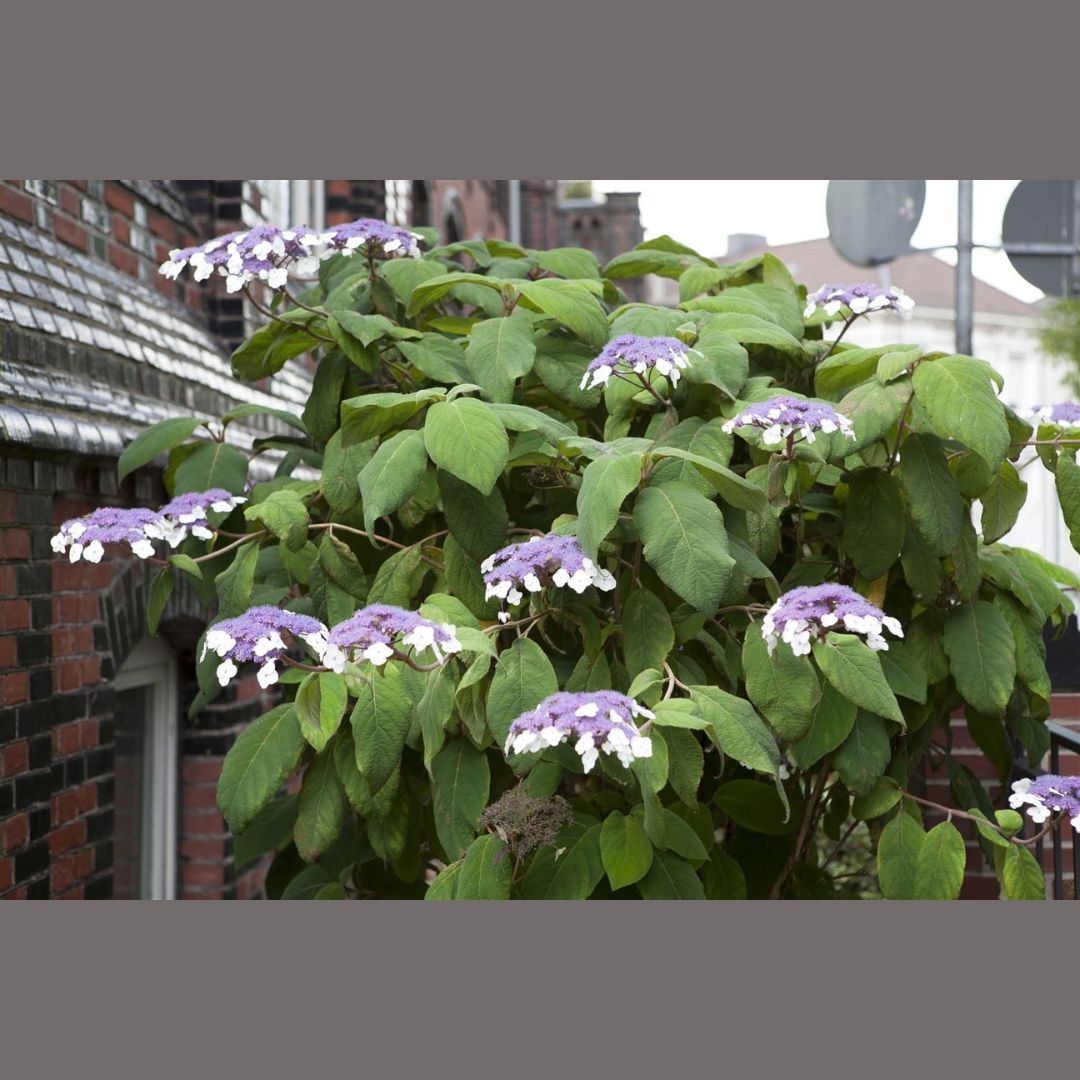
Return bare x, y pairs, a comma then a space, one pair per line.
701, 213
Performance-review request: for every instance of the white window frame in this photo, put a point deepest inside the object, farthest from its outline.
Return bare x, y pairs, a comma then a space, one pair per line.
152, 665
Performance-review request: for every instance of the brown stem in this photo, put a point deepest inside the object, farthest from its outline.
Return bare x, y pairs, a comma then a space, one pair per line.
839, 337
804, 831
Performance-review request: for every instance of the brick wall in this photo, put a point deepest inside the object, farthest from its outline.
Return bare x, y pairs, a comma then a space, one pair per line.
65, 629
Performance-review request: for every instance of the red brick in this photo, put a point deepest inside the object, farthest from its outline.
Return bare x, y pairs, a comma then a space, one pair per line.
66, 739
87, 798
118, 198
202, 770
67, 676
16, 689
84, 863
16, 544
199, 822
123, 259
61, 875
91, 670
70, 200
88, 733
7, 873
7, 651
199, 798
75, 894
67, 837
202, 874
65, 807
203, 849
7, 505
16, 831
88, 607
70, 233
16, 612
14, 759
16, 204
121, 230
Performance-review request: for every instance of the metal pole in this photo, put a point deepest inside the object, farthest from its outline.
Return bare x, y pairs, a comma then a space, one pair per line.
515, 212
965, 283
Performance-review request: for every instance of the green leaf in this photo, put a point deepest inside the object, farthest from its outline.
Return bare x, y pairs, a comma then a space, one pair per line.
854, 669
465, 437
364, 417
268, 350
939, 868
724, 878
937, 508
903, 672
321, 814
682, 839
648, 636
730, 486
523, 678
425, 294
160, 438
320, 706
737, 729
685, 542
879, 800
625, 850
392, 475
1002, 503
961, 403
365, 328
1067, 475
756, 806
285, 515
569, 870
569, 262
873, 411
671, 878
604, 484
832, 722
898, 855
380, 722
158, 596
1021, 875
234, 584
460, 782
784, 687
339, 482
897, 362
862, 757
874, 522
571, 304
212, 465
322, 413
434, 709
257, 764
500, 351
271, 830
437, 357
340, 565
686, 763
477, 522
982, 656
444, 887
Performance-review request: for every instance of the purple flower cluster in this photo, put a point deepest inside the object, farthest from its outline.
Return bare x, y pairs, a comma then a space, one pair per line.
370, 635
264, 253
1048, 795
813, 610
632, 352
858, 299
373, 237
1066, 413
542, 560
86, 537
784, 416
601, 721
256, 635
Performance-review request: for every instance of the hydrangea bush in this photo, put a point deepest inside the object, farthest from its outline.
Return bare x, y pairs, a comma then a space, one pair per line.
570, 597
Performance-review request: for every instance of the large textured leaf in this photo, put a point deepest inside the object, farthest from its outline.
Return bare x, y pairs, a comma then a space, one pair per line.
1068, 492
604, 484
485, 871
320, 706
523, 678
499, 352
982, 656
1002, 503
737, 729
939, 869
157, 439
937, 508
478, 522
466, 438
854, 669
833, 719
625, 849
731, 487
285, 515
783, 686
365, 417
1021, 874
234, 584
257, 764
648, 636
568, 871
898, 855
959, 398
380, 722
862, 757
874, 523
671, 878
571, 304
322, 807
460, 782
873, 409
211, 465
394, 472
685, 542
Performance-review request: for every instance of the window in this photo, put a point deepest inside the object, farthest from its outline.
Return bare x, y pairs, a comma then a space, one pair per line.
297, 202
144, 834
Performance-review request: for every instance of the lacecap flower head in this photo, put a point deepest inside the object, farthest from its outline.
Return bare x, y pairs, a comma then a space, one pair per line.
376, 632
783, 416
600, 721
372, 237
1065, 413
87, 536
811, 611
1048, 795
637, 354
542, 560
858, 299
256, 635
188, 514
264, 253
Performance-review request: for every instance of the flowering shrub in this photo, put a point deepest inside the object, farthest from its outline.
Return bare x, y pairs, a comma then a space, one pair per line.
570, 597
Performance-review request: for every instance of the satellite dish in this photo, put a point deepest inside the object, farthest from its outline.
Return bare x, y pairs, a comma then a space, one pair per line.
1041, 212
872, 221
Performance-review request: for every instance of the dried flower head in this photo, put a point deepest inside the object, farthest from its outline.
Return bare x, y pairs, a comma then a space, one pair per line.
379, 631
372, 237
637, 354
858, 299
256, 635
811, 611
600, 720
525, 823
542, 560
1048, 795
783, 417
